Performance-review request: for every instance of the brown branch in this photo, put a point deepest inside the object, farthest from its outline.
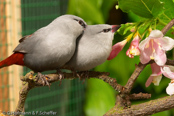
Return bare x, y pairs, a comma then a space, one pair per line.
170, 62
134, 76
144, 109
30, 81
139, 96
167, 27
112, 82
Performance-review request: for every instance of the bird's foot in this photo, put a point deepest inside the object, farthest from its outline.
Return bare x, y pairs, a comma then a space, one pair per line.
83, 75
44, 79
61, 76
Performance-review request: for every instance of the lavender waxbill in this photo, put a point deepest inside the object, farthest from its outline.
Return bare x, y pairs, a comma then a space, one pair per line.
93, 48
50, 47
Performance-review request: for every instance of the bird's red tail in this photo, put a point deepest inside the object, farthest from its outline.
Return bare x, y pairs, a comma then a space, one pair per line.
15, 58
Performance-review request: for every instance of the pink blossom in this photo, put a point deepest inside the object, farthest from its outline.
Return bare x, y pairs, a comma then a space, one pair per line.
154, 48
168, 71
116, 49
134, 47
156, 75
157, 71
170, 88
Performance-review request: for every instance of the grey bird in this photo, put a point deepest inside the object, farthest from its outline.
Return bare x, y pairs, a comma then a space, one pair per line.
93, 48
50, 47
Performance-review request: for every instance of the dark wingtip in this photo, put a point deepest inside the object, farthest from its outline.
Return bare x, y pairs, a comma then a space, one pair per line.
115, 27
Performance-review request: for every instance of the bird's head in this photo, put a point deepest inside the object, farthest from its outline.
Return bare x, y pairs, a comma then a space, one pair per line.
73, 24
102, 33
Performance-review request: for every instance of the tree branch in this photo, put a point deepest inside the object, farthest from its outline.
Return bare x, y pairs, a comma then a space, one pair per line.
167, 27
134, 76
140, 96
170, 62
144, 109
30, 81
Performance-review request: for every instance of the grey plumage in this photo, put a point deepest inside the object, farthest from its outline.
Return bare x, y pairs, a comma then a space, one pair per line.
93, 48
53, 45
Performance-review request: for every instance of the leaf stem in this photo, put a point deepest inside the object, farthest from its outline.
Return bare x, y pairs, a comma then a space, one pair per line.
167, 17
146, 6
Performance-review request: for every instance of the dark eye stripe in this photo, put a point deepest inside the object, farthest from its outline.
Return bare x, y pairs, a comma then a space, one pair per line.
106, 30
81, 23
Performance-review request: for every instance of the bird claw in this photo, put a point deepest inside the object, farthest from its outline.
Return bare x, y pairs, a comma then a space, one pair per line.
61, 76
83, 75
44, 79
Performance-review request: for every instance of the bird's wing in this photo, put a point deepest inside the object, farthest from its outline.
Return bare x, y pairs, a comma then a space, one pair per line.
22, 45
23, 38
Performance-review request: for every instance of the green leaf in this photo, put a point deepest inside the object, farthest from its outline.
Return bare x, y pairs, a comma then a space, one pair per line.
168, 10
143, 8
125, 28
167, 16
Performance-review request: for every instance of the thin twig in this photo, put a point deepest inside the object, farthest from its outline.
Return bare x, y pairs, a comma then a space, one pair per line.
134, 76
139, 96
167, 27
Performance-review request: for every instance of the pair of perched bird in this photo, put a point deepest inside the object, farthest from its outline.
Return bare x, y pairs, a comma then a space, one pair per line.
66, 42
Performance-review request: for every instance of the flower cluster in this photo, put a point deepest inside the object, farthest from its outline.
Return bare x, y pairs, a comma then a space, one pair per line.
154, 47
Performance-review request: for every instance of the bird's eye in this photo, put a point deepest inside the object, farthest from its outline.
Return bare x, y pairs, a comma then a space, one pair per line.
82, 23
106, 30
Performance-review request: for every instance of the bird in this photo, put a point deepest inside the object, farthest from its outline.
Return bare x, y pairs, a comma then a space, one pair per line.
92, 48
50, 47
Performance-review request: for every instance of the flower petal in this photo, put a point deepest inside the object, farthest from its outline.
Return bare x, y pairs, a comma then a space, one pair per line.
157, 79
168, 71
154, 78
167, 43
170, 89
134, 47
143, 43
149, 81
156, 34
116, 49
156, 75
146, 53
144, 58
159, 55
155, 69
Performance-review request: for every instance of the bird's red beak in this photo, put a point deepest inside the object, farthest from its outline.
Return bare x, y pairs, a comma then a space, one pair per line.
115, 28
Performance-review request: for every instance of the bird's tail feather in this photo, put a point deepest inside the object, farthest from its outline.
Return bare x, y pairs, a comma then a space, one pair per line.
15, 58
